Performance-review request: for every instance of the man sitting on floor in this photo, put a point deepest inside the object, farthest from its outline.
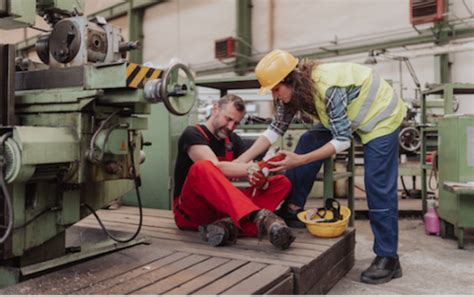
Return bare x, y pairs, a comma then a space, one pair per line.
207, 201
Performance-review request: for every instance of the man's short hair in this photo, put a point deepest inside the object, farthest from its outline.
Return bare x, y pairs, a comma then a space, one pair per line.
236, 100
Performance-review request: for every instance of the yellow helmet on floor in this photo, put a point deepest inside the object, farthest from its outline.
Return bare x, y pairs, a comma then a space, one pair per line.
273, 68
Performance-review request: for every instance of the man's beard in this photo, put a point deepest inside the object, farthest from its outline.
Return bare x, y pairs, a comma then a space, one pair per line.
222, 133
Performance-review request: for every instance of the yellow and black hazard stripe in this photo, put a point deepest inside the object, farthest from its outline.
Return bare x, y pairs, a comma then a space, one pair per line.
138, 75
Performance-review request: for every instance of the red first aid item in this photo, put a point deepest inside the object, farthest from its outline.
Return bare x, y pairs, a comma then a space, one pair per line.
276, 158
259, 178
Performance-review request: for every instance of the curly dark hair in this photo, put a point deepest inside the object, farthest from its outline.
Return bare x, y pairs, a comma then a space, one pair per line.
304, 90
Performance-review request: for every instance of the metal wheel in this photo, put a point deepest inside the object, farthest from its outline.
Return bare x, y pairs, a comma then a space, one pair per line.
178, 90
410, 139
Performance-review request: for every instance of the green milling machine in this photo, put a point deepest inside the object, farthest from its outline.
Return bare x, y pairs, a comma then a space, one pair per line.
70, 134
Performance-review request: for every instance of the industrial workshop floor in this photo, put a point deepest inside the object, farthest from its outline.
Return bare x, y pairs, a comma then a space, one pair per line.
178, 262
431, 265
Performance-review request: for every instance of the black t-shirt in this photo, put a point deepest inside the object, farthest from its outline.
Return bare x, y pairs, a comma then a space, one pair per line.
192, 136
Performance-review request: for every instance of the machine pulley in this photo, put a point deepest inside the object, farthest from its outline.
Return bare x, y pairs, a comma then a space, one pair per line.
410, 139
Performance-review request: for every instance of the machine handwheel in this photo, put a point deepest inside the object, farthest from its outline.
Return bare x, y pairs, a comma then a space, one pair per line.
178, 90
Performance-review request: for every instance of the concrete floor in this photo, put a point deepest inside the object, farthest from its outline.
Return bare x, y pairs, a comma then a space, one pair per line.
430, 264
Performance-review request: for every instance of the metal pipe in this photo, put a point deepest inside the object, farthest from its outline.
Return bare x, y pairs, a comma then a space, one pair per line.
401, 78
243, 49
315, 52
443, 73
271, 24
135, 31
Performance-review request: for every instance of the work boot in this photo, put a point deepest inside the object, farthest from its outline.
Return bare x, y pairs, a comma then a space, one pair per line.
278, 232
221, 232
290, 216
382, 270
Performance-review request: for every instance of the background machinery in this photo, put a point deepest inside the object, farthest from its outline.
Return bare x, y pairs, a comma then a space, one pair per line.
448, 140
70, 137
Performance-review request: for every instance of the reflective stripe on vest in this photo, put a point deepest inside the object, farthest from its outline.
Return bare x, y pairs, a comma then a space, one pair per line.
369, 99
383, 115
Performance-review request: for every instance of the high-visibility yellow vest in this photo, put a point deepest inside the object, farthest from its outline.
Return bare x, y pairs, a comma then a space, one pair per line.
377, 111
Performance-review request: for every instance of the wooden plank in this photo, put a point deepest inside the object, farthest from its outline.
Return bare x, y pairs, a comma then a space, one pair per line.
187, 265
260, 282
207, 278
303, 236
168, 226
102, 286
182, 277
231, 279
263, 250
305, 249
304, 241
230, 252
329, 279
169, 223
284, 287
306, 276
297, 248
150, 277
78, 276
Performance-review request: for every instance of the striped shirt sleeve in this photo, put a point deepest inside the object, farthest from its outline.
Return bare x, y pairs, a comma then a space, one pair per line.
280, 123
337, 99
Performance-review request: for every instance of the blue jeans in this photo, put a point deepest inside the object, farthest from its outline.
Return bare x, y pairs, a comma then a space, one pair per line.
303, 177
380, 178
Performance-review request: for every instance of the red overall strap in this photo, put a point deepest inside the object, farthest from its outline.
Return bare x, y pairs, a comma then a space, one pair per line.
202, 132
229, 154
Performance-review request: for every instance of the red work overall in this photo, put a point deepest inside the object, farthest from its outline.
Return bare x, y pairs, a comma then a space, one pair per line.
207, 196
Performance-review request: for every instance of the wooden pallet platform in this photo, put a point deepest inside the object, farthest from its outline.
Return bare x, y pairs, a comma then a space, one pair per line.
178, 262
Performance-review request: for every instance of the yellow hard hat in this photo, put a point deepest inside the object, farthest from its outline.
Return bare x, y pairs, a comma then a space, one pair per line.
323, 229
273, 68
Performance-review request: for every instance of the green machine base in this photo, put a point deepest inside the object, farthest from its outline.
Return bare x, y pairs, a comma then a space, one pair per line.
456, 168
13, 275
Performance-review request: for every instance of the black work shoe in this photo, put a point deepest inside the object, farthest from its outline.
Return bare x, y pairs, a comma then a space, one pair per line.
278, 232
382, 270
290, 217
221, 232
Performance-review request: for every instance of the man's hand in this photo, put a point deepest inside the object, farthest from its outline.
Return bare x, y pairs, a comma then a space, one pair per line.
258, 173
257, 176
